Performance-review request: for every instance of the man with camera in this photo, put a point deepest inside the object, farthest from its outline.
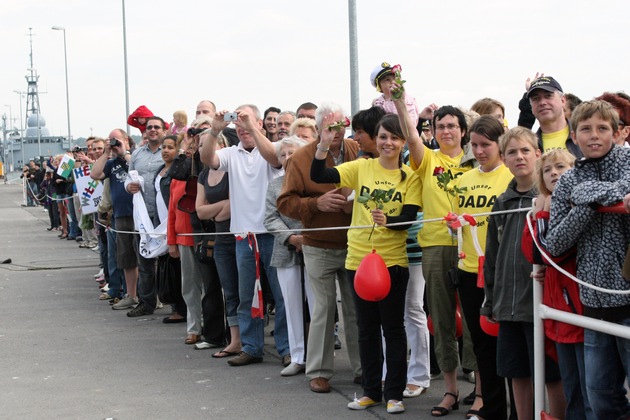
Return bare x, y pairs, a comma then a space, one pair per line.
116, 170
250, 166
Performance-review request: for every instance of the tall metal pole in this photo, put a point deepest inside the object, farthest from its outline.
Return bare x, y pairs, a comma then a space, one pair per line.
65, 59
354, 57
21, 129
125, 56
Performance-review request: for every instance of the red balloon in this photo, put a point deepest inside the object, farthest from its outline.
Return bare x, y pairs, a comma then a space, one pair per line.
488, 327
459, 327
372, 281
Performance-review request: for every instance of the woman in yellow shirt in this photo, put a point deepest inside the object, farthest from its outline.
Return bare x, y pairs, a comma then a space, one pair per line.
479, 189
402, 186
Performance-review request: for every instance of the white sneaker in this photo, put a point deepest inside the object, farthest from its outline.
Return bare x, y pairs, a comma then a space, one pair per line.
292, 370
470, 377
395, 407
99, 274
126, 303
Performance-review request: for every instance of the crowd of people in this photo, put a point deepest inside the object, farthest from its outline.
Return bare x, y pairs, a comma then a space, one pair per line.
267, 212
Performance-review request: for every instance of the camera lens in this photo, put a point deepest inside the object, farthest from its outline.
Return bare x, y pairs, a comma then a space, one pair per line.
113, 142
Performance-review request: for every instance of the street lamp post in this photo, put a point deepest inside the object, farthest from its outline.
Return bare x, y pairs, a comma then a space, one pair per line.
65, 59
21, 127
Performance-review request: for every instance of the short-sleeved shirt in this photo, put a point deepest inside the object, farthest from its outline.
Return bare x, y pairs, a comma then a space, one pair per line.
122, 201
557, 140
482, 190
249, 175
147, 163
366, 175
437, 203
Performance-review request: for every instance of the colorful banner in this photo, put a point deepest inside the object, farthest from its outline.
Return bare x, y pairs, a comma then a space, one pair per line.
65, 166
89, 190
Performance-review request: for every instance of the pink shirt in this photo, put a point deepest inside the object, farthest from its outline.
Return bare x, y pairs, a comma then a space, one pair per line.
390, 108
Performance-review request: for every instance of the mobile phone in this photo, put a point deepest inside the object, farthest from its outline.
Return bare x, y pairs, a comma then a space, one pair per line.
230, 117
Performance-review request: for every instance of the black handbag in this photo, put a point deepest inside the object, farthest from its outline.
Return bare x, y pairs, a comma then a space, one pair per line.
452, 277
204, 249
169, 279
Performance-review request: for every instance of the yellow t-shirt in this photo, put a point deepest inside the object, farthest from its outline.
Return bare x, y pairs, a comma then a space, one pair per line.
482, 190
557, 140
437, 203
365, 175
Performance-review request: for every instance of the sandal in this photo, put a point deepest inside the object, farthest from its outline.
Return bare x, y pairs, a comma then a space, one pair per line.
472, 413
438, 411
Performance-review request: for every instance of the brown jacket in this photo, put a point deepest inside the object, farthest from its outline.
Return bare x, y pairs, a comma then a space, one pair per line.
298, 198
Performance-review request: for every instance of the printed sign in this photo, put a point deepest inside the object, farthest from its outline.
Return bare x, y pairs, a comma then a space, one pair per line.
89, 190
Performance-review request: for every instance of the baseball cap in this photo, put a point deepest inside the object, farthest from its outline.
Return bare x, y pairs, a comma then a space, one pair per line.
547, 83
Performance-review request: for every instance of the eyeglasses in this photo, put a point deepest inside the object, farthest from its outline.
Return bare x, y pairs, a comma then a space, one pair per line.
449, 127
154, 127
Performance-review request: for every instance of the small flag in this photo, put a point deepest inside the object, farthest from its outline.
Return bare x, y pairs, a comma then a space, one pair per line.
65, 166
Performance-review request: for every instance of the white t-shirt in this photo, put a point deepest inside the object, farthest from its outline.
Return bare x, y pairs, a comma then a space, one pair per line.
249, 175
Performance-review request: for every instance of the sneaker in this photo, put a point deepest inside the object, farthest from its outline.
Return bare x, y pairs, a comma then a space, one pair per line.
126, 303
105, 296
286, 360
337, 342
95, 248
244, 359
470, 377
362, 404
105, 288
395, 407
99, 274
139, 310
292, 370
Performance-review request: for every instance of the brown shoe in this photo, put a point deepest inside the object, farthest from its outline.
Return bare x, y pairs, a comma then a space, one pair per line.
286, 360
320, 385
244, 359
192, 339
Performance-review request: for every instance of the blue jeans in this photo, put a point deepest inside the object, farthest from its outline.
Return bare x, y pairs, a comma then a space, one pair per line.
117, 284
252, 330
225, 258
606, 362
73, 226
571, 363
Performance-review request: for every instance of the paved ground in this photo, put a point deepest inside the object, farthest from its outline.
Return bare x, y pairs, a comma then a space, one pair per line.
66, 355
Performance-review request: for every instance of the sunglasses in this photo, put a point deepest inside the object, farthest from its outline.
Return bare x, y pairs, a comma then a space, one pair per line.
154, 127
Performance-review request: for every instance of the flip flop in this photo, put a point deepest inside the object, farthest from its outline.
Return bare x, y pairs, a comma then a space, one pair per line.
224, 353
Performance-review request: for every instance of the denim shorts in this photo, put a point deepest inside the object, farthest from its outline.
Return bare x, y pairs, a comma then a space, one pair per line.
515, 352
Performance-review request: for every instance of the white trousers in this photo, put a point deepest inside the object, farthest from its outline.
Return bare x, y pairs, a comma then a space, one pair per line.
290, 285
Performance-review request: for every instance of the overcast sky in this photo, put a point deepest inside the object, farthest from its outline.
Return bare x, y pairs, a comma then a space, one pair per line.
282, 53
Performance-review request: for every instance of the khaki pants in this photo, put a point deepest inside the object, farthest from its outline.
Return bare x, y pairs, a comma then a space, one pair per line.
323, 266
436, 261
